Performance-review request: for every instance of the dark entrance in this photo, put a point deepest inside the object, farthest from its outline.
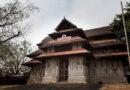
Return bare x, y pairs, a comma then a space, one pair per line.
128, 78
63, 69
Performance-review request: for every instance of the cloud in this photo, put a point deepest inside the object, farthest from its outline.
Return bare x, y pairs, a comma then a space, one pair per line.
85, 14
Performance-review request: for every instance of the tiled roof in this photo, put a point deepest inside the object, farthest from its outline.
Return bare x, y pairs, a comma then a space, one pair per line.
35, 53
62, 24
31, 62
45, 40
99, 31
71, 32
68, 30
64, 41
63, 53
106, 43
48, 41
102, 41
110, 54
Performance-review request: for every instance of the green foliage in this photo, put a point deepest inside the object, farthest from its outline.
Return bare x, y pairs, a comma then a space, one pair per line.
12, 55
118, 23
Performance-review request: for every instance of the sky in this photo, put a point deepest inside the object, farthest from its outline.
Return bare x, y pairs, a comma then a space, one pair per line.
85, 14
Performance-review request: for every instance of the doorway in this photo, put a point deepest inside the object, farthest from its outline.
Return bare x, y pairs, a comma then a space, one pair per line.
63, 69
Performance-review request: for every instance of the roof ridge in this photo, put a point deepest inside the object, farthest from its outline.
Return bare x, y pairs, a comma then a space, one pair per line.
99, 28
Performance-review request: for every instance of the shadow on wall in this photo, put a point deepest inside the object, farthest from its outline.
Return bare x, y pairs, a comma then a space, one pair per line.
58, 87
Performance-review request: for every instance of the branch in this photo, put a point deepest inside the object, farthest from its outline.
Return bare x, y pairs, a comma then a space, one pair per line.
10, 38
16, 19
10, 10
8, 23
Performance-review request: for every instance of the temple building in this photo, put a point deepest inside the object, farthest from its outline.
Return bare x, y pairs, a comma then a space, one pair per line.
73, 55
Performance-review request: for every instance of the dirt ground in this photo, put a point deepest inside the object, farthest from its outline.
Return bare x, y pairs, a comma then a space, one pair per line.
66, 87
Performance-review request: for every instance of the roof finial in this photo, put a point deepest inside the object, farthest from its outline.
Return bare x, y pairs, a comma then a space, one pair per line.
64, 17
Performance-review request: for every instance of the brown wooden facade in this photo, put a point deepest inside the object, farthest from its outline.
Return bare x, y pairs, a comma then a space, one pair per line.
73, 55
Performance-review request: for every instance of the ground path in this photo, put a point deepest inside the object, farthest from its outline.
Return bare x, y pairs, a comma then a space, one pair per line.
67, 87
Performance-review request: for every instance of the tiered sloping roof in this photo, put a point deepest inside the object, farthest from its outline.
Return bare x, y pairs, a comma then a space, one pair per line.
44, 41
35, 53
63, 53
32, 62
109, 42
63, 23
69, 32
63, 42
106, 43
102, 55
51, 41
107, 30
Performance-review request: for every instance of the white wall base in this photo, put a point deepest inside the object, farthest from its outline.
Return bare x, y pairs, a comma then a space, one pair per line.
49, 80
77, 79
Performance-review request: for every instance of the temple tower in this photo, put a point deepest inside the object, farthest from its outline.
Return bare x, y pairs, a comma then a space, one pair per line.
66, 55
72, 55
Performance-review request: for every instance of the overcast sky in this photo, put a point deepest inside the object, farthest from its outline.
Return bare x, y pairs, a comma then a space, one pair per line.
86, 14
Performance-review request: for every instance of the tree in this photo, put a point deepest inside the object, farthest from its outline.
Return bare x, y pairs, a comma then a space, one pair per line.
118, 23
16, 55
11, 17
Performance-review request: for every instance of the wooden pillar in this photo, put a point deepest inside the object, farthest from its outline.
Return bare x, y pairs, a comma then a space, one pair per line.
51, 71
77, 70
